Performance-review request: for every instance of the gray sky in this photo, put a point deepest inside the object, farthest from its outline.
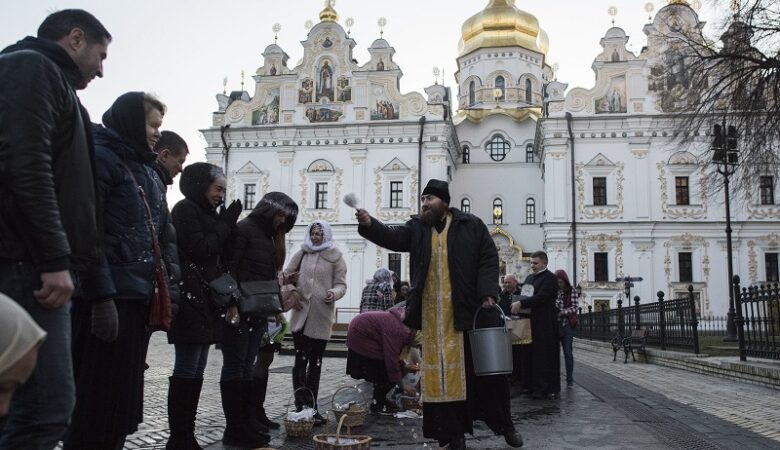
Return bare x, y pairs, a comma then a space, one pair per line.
182, 49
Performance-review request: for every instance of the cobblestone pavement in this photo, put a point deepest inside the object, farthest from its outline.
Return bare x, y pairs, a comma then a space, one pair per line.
612, 406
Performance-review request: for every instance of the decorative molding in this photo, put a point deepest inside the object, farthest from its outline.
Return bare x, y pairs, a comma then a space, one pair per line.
671, 211
752, 262
602, 242
557, 155
688, 241
396, 214
328, 215
600, 212
640, 154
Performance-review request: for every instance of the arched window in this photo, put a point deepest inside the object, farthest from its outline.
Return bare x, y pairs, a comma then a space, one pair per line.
498, 211
472, 94
529, 153
501, 84
465, 205
466, 154
529, 95
498, 147
530, 211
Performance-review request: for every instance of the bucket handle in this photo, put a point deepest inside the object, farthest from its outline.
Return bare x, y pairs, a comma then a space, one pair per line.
476, 313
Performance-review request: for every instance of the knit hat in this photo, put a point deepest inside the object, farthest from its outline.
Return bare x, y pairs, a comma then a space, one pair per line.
439, 189
18, 333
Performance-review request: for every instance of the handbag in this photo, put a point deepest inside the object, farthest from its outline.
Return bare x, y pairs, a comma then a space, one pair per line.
260, 298
291, 296
223, 289
160, 314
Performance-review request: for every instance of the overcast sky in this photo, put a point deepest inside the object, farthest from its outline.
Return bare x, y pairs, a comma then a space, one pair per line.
182, 49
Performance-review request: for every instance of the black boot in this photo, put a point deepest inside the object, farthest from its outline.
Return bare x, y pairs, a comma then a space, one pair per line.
251, 417
259, 388
238, 433
183, 397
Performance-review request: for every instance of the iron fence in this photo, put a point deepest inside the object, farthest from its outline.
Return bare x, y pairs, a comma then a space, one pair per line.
758, 320
712, 326
669, 323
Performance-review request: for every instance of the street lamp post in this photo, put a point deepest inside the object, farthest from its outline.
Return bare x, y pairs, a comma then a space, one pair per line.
726, 159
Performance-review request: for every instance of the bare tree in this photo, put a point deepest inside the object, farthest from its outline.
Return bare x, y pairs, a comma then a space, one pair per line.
732, 82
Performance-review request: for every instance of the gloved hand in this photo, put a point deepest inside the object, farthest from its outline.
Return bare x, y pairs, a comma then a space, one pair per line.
105, 320
230, 215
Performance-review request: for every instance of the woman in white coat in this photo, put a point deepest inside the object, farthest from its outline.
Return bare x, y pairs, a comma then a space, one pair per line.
321, 274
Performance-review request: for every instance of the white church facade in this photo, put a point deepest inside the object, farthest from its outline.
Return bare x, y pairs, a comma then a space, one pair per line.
606, 192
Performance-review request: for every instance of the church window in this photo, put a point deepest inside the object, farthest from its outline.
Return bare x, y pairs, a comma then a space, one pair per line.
472, 94
771, 267
501, 84
320, 195
529, 153
498, 211
396, 194
250, 190
685, 266
530, 211
528, 91
681, 191
498, 147
466, 154
465, 205
600, 191
601, 266
767, 189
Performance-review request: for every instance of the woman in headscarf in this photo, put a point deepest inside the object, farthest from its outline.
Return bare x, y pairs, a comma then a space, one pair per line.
20, 337
203, 235
378, 292
110, 335
321, 273
259, 252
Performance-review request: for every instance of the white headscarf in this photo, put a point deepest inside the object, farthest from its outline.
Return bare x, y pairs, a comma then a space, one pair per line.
18, 333
327, 240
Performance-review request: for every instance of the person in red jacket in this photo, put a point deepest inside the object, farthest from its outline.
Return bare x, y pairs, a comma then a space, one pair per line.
374, 342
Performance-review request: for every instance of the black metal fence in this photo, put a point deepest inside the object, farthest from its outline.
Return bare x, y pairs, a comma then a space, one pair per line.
669, 323
758, 320
713, 326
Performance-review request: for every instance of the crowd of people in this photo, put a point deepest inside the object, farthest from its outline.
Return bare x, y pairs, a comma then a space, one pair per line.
93, 261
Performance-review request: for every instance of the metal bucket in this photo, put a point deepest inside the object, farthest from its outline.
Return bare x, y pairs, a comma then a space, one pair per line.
491, 348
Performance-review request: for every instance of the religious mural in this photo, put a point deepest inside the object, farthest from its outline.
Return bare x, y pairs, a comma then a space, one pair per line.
345, 91
268, 113
306, 91
324, 112
382, 107
615, 99
325, 82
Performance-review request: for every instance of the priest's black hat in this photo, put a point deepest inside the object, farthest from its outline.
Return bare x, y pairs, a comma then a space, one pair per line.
438, 188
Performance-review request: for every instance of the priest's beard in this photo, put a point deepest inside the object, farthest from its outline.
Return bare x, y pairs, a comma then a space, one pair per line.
433, 214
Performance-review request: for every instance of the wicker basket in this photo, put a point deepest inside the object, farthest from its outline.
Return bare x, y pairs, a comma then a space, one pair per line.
338, 442
408, 402
301, 428
355, 414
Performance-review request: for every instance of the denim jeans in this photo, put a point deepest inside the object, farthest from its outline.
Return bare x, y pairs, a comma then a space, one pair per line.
40, 409
567, 339
191, 360
239, 349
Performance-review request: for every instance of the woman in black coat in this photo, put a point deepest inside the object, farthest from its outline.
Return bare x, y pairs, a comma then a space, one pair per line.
259, 252
202, 236
110, 337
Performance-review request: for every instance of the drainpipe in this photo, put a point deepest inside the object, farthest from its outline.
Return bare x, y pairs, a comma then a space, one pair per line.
222, 130
573, 205
419, 161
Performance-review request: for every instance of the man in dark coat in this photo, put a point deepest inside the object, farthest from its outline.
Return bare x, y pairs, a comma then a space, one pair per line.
48, 223
543, 358
454, 272
171, 152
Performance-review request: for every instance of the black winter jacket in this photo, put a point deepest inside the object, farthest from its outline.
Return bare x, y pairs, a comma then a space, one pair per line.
202, 239
168, 235
128, 266
472, 258
47, 186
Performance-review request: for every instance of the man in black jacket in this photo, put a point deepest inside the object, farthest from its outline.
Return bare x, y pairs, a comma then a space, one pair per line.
544, 358
454, 272
48, 223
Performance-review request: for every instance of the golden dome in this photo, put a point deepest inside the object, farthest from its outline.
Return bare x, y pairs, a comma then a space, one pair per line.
329, 14
501, 24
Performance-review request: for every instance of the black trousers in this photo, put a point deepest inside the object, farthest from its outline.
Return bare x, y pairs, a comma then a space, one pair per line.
307, 369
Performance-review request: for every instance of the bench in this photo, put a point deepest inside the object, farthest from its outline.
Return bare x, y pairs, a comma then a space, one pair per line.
636, 341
